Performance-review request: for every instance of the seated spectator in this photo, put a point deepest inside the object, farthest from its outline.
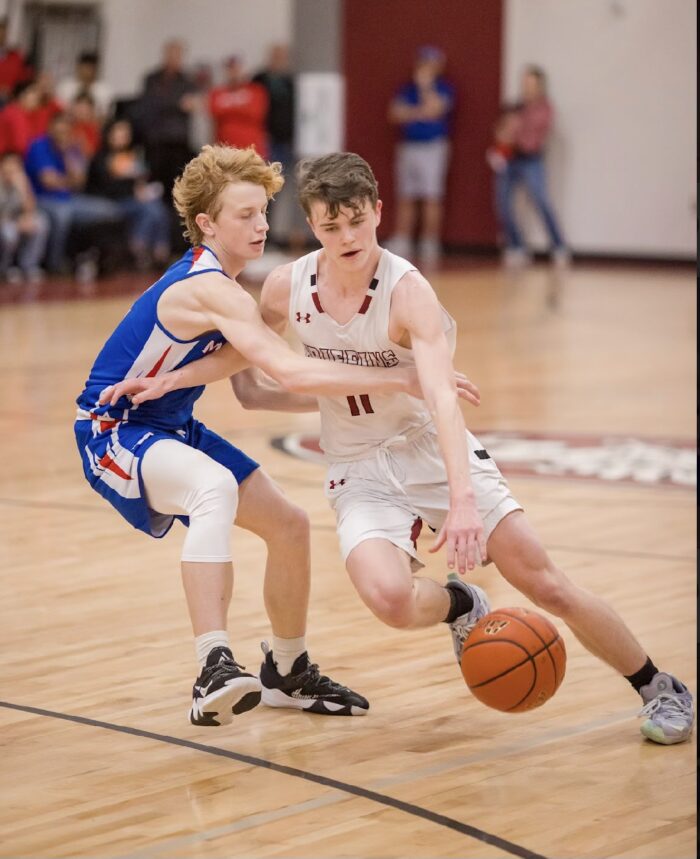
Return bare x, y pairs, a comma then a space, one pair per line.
239, 109
13, 68
49, 105
21, 120
87, 130
85, 83
119, 173
57, 170
24, 228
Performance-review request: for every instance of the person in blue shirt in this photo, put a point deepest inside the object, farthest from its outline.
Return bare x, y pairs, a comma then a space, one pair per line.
58, 172
421, 109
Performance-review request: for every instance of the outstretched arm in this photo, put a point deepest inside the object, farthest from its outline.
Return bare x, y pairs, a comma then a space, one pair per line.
417, 310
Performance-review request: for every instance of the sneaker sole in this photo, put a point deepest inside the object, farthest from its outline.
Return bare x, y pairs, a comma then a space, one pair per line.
656, 735
220, 707
277, 698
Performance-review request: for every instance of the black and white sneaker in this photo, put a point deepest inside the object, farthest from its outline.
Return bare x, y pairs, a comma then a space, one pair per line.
222, 690
305, 688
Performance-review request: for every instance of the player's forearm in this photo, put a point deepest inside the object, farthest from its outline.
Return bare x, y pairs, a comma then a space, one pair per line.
449, 423
332, 378
212, 368
255, 390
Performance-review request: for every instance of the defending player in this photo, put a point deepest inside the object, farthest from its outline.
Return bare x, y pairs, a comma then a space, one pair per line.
394, 460
155, 462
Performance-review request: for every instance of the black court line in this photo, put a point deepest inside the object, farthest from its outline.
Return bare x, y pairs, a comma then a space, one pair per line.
363, 793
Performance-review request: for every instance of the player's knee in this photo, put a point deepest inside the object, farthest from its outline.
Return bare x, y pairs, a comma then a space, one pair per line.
552, 591
292, 523
393, 605
217, 495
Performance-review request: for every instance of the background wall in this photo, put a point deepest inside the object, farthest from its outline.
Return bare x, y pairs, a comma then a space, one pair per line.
379, 40
623, 81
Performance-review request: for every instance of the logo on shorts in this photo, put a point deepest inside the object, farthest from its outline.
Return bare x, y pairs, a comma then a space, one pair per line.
335, 483
303, 317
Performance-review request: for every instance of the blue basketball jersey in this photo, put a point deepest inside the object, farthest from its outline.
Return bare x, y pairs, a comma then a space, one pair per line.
141, 346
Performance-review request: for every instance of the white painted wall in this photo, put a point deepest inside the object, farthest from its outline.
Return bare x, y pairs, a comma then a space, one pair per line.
623, 81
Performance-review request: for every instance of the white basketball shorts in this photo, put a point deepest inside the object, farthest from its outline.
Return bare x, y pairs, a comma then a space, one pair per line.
386, 496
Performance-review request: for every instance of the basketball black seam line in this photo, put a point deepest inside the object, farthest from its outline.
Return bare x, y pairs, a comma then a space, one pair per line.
530, 657
532, 629
324, 781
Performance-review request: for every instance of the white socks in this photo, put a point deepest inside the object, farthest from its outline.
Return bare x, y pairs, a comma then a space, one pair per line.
205, 643
286, 650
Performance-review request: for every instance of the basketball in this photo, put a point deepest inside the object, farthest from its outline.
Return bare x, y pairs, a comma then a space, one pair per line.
514, 660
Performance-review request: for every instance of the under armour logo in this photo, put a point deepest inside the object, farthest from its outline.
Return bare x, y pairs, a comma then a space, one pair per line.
493, 627
335, 483
305, 317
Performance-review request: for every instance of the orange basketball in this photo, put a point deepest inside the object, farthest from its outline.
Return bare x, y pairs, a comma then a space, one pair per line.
514, 660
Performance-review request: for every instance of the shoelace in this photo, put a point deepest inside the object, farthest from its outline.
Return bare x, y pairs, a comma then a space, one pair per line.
313, 677
223, 665
673, 704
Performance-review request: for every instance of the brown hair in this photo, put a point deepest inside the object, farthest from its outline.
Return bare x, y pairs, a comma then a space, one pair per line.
338, 179
205, 177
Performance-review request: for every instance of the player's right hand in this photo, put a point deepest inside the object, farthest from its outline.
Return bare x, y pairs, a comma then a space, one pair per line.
467, 390
137, 390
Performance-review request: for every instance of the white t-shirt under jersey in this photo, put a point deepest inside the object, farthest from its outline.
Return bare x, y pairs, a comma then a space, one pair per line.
352, 427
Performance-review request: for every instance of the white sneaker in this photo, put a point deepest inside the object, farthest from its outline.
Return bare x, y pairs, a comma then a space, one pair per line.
465, 623
561, 257
515, 258
670, 713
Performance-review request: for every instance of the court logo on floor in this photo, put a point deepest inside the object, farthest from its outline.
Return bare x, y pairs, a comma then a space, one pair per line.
612, 459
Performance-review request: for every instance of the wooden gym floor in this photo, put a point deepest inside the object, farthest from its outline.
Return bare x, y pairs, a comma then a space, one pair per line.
97, 758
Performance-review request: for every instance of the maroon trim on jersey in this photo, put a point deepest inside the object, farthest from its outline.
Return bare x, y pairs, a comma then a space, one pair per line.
368, 298
314, 295
416, 528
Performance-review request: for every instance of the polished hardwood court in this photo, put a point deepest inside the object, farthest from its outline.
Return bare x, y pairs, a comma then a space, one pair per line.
97, 757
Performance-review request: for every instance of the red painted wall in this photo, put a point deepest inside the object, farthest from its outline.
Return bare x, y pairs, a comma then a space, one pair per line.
379, 41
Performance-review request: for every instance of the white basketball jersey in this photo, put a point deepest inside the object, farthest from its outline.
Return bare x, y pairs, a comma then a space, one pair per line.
352, 427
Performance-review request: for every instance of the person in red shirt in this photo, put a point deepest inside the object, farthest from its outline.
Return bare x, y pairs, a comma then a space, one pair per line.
528, 133
239, 109
86, 126
13, 68
21, 121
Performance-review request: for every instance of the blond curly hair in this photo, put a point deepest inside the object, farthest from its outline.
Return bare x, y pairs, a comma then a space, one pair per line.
199, 187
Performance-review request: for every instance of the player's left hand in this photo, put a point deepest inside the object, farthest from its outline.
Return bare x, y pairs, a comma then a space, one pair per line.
138, 390
463, 532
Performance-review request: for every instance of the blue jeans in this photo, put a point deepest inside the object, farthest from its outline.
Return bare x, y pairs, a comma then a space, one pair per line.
76, 211
528, 170
149, 222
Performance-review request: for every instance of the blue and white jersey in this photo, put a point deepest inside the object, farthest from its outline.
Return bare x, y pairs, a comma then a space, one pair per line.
141, 346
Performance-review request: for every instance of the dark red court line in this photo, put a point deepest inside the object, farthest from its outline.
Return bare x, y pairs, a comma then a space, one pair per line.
371, 795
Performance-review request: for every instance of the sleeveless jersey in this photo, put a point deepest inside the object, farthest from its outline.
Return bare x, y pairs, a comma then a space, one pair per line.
353, 427
141, 346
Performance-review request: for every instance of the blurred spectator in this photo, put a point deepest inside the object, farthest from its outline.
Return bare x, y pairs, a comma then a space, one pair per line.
239, 109
57, 169
286, 216
201, 126
49, 105
422, 110
87, 131
165, 106
24, 228
502, 150
21, 121
13, 68
85, 83
530, 134
119, 173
